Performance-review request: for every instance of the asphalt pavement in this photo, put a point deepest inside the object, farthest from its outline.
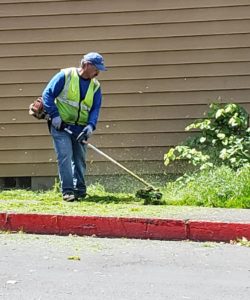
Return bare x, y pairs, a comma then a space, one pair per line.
36, 267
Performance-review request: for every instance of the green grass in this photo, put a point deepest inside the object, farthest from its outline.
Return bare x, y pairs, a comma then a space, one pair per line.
98, 203
221, 187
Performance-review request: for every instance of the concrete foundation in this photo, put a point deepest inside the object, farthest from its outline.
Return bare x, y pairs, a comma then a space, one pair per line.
111, 183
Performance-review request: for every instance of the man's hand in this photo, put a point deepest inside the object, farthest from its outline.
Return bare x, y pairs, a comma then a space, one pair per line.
85, 134
57, 122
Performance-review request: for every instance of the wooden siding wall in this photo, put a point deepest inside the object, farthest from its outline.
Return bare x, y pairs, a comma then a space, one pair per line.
167, 60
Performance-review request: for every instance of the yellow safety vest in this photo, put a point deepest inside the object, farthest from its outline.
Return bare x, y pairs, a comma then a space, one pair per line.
73, 109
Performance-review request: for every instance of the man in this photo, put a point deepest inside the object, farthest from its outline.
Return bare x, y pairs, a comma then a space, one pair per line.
73, 99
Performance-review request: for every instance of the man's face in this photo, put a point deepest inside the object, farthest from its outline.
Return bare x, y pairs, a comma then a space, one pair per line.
91, 71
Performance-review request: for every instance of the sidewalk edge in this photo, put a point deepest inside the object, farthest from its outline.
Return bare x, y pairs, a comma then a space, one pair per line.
122, 227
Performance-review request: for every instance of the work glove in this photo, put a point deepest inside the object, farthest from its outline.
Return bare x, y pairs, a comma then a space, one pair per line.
57, 123
85, 134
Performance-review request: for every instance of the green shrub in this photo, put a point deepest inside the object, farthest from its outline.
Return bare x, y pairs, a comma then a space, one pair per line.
220, 153
223, 139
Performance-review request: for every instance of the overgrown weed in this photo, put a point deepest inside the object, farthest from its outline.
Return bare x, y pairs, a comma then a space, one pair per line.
216, 187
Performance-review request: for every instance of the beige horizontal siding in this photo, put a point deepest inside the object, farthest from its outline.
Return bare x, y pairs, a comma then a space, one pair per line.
76, 7
130, 59
126, 113
28, 1
125, 32
167, 60
114, 50
104, 127
107, 141
143, 86
126, 18
139, 72
48, 155
145, 99
100, 168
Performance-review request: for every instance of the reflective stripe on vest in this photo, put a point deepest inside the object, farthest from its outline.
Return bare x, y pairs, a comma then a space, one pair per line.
73, 103
72, 109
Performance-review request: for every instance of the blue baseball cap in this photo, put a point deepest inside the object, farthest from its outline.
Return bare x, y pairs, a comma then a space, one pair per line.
95, 59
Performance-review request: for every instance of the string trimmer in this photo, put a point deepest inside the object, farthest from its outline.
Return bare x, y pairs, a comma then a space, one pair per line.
150, 194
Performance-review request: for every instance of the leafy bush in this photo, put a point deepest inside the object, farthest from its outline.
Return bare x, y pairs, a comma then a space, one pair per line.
220, 154
223, 139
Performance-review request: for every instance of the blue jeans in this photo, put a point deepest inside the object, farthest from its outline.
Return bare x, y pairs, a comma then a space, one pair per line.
71, 157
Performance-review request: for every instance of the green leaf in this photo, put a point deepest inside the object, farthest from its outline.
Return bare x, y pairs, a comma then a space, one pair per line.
202, 140
219, 113
166, 160
221, 136
229, 108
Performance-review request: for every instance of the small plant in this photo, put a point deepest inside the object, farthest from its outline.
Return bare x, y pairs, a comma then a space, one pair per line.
223, 139
57, 187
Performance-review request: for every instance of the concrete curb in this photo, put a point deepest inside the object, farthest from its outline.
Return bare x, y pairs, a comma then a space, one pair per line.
118, 227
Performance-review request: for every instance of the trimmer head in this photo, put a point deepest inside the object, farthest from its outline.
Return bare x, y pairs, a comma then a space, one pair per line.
150, 196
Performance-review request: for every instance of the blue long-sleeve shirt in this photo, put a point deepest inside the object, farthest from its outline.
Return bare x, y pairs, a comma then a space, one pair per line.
54, 88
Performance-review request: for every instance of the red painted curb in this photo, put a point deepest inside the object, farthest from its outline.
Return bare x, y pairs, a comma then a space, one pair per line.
98, 226
218, 231
122, 227
143, 228
3, 219
32, 223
